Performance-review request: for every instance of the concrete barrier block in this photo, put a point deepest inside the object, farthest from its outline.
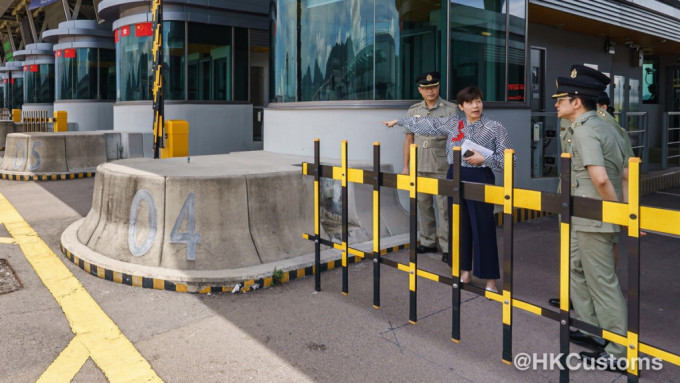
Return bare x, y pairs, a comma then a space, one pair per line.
16, 152
46, 153
281, 208
114, 147
84, 151
6, 127
219, 215
133, 145
93, 217
132, 222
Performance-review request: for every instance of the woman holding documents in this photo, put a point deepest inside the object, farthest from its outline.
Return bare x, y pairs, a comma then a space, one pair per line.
483, 143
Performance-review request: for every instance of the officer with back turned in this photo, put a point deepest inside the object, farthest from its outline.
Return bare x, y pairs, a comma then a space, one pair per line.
598, 158
432, 163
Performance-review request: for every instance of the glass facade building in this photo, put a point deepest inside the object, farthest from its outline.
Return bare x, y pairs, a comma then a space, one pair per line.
325, 50
202, 62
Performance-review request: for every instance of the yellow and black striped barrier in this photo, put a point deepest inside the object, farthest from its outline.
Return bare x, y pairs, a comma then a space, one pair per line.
631, 215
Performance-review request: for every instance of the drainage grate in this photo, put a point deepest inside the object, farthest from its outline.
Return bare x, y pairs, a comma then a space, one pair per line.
8, 279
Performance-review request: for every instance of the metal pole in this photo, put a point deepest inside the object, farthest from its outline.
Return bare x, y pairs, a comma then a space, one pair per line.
157, 52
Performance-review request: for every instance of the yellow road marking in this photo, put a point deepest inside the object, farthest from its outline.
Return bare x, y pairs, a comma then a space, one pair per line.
95, 333
8, 241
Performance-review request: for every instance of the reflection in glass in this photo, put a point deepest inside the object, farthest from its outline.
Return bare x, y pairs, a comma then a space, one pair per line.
83, 72
353, 50
173, 57
134, 64
38, 83
209, 62
17, 90
107, 74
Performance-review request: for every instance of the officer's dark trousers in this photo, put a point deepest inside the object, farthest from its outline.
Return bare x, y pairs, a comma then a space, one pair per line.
477, 228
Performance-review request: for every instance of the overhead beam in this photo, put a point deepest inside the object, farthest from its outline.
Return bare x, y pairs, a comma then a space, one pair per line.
10, 37
31, 25
67, 10
76, 9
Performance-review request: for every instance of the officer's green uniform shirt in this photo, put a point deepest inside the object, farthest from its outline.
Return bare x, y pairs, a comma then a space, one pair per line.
592, 141
603, 114
431, 149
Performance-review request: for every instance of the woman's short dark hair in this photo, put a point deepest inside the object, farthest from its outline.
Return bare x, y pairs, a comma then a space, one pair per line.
468, 94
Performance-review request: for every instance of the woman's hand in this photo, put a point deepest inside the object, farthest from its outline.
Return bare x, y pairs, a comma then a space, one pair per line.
475, 159
390, 124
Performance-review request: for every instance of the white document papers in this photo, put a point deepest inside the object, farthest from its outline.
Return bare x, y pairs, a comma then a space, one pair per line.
470, 145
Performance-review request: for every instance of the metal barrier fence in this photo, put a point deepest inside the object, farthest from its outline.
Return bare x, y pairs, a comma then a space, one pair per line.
638, 129
630, 214
670, 138
35, 121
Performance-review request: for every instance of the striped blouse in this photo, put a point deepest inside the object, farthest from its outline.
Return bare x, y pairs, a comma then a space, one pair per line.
489, 133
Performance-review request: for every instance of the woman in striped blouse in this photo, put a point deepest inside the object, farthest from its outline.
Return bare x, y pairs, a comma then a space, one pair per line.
478, 229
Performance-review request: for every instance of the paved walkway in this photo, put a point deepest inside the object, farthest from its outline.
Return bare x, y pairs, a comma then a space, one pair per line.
291, 332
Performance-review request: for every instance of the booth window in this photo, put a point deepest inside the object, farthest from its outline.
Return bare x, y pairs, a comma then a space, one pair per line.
480, 33
650, 82
209, 62
84, 74
38, 83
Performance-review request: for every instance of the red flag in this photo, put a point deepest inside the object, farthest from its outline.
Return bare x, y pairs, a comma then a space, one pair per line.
4, 80
34, 68
25, 68
58, 53
143, 29
115, 35
70, 53
125, 31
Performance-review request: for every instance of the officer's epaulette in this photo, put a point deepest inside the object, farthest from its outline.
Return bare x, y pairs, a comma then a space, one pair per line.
414, 106
601, 113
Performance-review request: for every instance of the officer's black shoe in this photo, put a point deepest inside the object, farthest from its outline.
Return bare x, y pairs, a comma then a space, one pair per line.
602, 360
586, 340
445, 257
556, 302
426, 249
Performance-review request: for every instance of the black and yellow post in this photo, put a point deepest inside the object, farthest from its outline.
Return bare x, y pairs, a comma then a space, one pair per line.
508, 239
413, 219
317, 221
376, 225
454, 246
633, 268
565, 250
157, 53
345, 223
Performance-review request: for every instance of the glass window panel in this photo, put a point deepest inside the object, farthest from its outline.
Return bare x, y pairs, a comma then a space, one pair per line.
39, 83
478, 47
209, 62
516, 49
135, 64
173, 57
336, 42
418, 37
107, 74
17, 92
241, 64
649, 82
284, 22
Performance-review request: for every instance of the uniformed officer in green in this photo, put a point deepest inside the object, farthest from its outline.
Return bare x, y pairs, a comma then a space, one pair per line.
432, 163
598, 158
605, 112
